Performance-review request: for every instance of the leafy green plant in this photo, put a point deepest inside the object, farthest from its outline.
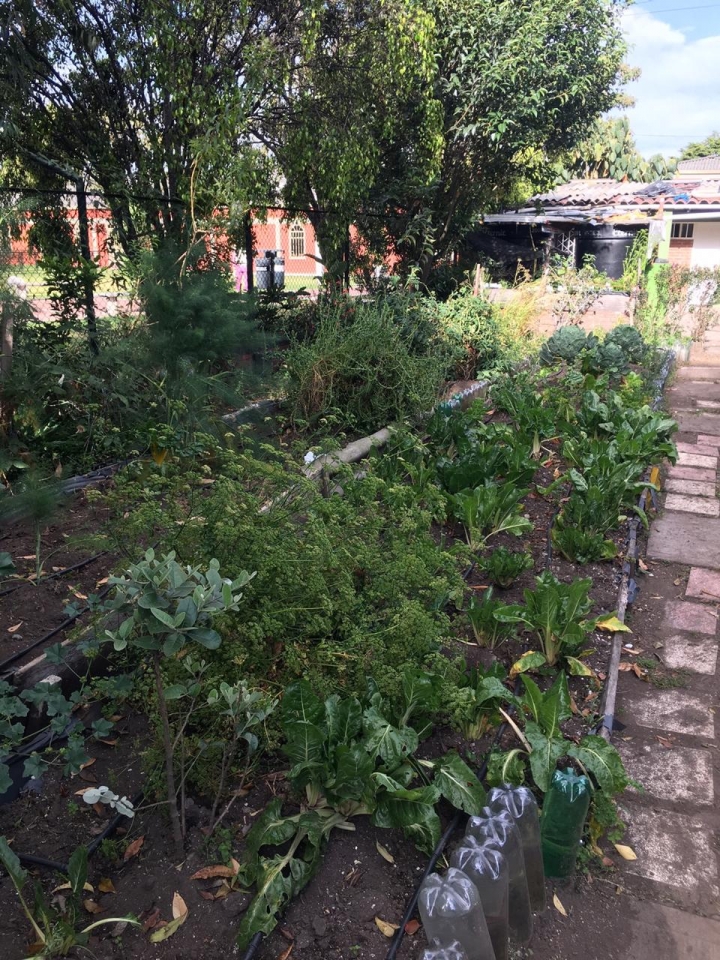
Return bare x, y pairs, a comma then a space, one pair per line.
555, 613
487, 629
474, 702
7, 565
36, 500
579, 546
544, 744
489, 510
504, 566
566, 344
629, 340
470, 332
350, 758
606, 358
163, 607
55, 924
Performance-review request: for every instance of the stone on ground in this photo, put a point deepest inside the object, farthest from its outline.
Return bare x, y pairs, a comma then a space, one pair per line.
684, 538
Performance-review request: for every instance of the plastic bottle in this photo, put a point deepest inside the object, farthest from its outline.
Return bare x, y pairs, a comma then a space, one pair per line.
453, 951
488, 870
451, 911
520, 804
501, 829
563, 817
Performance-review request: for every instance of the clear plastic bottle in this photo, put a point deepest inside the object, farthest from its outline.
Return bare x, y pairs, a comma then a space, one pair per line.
501, 829
451, 911
520, 804
563, 818
488, 870
453, 951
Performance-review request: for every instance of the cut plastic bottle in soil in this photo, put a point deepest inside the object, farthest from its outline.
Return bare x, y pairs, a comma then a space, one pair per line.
522, 807
451, 912
563, 818
488, 870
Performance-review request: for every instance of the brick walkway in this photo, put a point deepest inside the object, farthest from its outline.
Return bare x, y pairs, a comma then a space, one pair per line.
669, 742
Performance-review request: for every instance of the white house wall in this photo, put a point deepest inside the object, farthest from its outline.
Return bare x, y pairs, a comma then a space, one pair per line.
706, 245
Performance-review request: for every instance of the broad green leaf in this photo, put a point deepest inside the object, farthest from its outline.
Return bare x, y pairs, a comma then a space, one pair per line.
163, 617
175, 690
5, 778
544, 756
305, 742
77, 870
528, 661
12, 864
533, 697
300, 703
353, 768
269, 829
414, 812
383, 739
418, 692
490, 688
555, 707
458, 784
343, 718
506, 768
576, 668
603, 761
210, 639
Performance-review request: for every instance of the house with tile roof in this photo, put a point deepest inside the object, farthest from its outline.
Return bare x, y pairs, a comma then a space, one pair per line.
601, 218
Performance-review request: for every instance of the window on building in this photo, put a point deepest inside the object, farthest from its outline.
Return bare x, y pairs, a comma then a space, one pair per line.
297, 240
682, 231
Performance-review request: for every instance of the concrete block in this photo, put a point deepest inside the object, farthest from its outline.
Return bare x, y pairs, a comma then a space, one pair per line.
700, 505
692, 473
679, 774
690, 488
684, 538
671, 711
671, 848
698, 654
697, 460
690, 617
703, 450
704, 585
708, 439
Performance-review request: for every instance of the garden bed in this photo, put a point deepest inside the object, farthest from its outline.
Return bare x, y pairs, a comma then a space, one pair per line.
356, 881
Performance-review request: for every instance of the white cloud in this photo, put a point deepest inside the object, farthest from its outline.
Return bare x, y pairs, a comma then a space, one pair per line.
679, 89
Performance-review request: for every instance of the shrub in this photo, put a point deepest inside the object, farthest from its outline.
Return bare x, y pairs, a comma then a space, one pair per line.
566, 344
469, 327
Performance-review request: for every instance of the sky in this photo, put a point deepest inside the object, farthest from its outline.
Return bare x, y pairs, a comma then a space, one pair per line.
676, 44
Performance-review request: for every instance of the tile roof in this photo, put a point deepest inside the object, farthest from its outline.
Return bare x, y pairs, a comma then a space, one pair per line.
709, 164
597, 193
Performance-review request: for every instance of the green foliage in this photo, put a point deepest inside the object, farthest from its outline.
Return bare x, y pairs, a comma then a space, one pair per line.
488, 630
470, 330
504, 566
566, 344
555, 613
629, 340
473, 701
364, 366
579, 546
351, 757
610, 151
489, 510
708, 147
55, 923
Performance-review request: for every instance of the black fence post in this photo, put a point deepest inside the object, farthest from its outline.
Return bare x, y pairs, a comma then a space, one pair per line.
249, 252
84, 231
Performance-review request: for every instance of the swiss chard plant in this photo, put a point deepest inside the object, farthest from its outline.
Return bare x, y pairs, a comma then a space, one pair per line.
349, 758
475, 702
55, 924
555, 614
487, 629
504, 566
543, 743
489, 510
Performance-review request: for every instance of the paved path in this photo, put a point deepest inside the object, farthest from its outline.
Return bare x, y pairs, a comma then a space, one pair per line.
671, 741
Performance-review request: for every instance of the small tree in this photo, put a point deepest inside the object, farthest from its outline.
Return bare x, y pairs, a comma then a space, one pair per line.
166, 606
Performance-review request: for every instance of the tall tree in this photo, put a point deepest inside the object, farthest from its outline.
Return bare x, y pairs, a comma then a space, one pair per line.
610, 151
120, 90
513, 77
708, 147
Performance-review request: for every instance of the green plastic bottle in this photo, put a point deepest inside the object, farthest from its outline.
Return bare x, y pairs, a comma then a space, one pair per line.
563, 817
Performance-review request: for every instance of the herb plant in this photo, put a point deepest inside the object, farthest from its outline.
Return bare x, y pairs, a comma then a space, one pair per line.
488, 630
504, 566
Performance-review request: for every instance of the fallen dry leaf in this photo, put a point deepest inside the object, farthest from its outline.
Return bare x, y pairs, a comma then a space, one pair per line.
134, 848
92, 907
88, 763
151, 920
106, 886
207, 894
16, 627
627, 853
101, 582
385, 854
643, 566
287, 933
385, 928
218, 870
66, 886
664, 742
286, 953
607, 862
558, 905
180, 913
573, 706
412, 927
612, 625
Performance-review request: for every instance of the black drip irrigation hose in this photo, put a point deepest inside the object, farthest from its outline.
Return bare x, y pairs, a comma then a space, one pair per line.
54, 576
48, 636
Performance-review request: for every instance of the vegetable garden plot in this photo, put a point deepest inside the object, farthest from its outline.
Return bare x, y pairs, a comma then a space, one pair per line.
381, 593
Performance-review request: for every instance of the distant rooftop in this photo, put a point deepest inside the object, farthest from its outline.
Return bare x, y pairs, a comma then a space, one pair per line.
704, 165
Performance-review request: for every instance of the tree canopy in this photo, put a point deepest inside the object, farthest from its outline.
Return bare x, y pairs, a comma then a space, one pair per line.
610, 151
708, 147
